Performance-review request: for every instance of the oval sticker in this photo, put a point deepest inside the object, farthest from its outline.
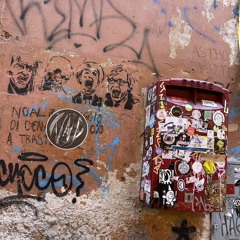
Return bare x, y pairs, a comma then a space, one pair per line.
218, 118
181, 185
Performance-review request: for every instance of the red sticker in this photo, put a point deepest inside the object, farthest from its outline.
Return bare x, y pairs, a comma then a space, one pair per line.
191, 131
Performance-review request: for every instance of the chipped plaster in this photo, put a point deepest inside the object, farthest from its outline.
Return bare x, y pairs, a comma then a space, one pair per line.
230, 36
180, 34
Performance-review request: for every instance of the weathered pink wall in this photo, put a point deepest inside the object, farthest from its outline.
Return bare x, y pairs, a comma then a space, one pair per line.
150, 40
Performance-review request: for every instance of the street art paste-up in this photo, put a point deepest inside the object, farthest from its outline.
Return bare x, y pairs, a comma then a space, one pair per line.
188, 160
21, 76
236, 206
120, 85
58, 72
89, 75
67, 129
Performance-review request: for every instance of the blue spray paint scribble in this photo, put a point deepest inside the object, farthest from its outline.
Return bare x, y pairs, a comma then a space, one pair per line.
59, 184
215, 4
155, 1
170, 24
163, 11
234, 152
216, 28
235, 11
34, 108
16, 149
234, 111
109, 120
185, 10
99, 150
44, 104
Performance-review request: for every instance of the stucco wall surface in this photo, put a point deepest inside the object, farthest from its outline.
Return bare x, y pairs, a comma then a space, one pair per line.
96, 58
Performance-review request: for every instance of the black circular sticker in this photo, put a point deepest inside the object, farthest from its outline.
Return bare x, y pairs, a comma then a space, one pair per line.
169, 139
176, 111
66, 129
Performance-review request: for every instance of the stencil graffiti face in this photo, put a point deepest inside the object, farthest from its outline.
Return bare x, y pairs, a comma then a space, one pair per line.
22, 73
119, 85
58, 72
89, 78
21, 78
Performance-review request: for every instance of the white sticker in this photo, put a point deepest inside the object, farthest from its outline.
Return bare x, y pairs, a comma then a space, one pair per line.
147, 186
225, 106
145, 169
156, 194
149, 94
208, 103
151, 140
221, 134
210, 133
218, 118
149, 152
167, 154
148, 197
183, 168
191, 179
162, 127
148, 113
178, 121
197, 167
161, 114
199, 184
196, 114
181, 185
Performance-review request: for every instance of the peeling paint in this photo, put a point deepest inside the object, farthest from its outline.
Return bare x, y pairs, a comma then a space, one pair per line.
233, 127
51, 53
180, 34
227, 3
206, 224
60, 219
212, 5
229, 35
208, 4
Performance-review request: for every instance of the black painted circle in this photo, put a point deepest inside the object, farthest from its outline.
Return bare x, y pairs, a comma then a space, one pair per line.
66, 129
